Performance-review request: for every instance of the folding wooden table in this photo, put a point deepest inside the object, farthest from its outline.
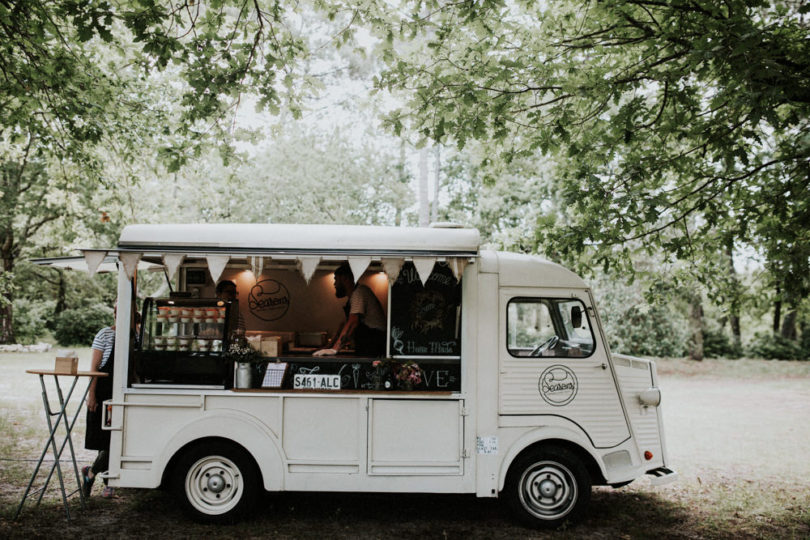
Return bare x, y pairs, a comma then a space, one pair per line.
53, 427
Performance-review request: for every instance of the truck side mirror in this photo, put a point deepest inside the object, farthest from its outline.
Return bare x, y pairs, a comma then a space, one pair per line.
576, 316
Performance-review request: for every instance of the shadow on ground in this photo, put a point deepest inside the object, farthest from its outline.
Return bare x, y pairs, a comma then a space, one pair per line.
336, 515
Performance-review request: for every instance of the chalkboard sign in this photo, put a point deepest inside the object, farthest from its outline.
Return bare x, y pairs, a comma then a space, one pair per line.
425, 320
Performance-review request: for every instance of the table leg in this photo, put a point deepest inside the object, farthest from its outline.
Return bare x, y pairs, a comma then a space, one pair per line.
42, 455
56, 454
68, 439
50, 443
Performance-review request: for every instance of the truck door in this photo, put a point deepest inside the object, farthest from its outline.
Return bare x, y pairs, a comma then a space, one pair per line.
552, 362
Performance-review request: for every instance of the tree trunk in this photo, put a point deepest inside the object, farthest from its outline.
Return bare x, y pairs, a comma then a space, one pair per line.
6, 326
6, 307
424, 212
434, 208
789, 325
734, 311
402, 178
61, 294
777, 310
696, 324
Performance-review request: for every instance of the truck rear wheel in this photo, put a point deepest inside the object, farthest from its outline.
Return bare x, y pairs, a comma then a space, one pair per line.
216, 482
548, 486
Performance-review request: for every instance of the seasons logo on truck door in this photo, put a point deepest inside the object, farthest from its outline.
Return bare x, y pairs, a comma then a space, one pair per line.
558, 385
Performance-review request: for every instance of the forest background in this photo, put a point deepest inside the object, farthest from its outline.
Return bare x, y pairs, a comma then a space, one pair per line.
661, 149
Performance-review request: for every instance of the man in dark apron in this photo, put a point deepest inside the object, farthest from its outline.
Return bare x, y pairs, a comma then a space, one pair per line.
365, 318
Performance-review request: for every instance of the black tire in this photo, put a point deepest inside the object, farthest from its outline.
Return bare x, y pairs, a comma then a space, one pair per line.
216, 482
547, 487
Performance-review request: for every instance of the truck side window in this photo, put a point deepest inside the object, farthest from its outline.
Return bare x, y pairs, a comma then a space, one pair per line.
540, 327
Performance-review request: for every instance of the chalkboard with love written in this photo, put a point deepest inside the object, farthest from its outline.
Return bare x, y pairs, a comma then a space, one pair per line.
425, 320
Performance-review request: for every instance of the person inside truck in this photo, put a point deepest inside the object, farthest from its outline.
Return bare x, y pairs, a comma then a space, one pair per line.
226, 290
365, 318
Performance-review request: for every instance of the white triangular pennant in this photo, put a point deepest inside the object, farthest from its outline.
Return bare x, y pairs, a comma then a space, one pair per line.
424, 266
359, 265
457, 265
130, 262
93, 260
392, 268
307, 265
256, 266
173, 262
216, 264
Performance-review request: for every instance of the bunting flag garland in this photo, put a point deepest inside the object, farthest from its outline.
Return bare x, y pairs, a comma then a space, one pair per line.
130, 263
216, 264
359, 265
172, 261
458, 264
392, 268
93, 260
424, 266
257, 266
307, 265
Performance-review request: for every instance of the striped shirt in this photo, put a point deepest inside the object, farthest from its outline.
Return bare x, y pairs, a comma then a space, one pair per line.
103, 342
365, 304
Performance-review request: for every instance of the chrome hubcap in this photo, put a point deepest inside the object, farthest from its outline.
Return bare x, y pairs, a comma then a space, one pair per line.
548, 490
214, 485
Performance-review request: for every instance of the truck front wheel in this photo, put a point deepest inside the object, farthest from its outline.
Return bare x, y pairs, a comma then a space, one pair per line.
548, 486
216, 482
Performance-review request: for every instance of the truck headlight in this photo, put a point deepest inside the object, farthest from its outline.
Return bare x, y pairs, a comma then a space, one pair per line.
650, 397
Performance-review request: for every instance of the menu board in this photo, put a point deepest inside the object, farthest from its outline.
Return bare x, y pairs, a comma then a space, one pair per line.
426, 319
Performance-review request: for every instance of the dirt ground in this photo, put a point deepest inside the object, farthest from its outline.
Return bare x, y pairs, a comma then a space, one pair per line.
737, 432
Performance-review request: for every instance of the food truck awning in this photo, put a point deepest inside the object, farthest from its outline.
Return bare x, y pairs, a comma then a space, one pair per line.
306, 245
108, 264
259, 239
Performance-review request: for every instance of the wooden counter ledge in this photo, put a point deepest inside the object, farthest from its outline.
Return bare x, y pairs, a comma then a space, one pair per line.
328, 392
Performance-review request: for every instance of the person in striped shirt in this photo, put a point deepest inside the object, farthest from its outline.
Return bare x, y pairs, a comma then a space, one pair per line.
103, 356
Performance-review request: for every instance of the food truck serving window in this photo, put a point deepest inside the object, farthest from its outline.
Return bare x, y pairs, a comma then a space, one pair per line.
556, 327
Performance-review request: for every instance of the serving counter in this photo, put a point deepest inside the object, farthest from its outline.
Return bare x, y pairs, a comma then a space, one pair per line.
360, 373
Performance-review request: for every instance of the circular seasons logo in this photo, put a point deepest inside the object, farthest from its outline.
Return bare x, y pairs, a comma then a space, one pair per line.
558, 385
269, 300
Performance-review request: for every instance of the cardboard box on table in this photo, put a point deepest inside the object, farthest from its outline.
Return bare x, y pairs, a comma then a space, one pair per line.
66, 364
270, 343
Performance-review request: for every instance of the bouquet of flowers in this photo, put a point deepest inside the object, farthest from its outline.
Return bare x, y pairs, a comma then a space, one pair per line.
409, 372
242, 353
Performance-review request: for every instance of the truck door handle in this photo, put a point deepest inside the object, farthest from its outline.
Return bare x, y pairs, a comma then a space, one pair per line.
603, 365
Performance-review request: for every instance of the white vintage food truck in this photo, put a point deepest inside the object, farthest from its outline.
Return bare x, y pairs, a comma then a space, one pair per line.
516, 393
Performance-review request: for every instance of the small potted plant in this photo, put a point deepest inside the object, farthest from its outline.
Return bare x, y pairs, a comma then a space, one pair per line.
245, 356
408, 374
381, 376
